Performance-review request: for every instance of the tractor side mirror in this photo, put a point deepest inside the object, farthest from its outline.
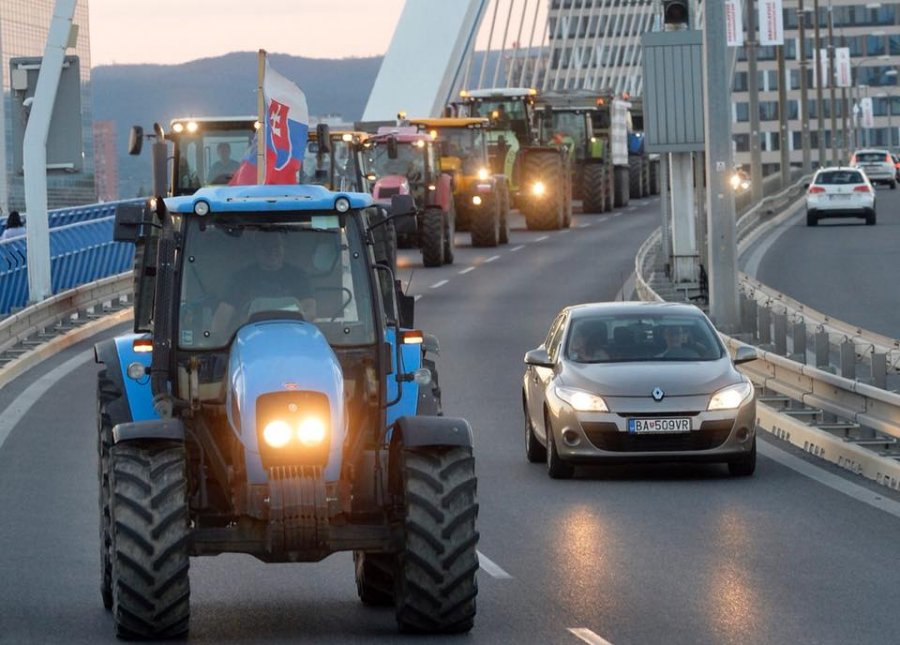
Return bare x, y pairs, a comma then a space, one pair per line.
129, 222
392, 147
323, 137
135, 140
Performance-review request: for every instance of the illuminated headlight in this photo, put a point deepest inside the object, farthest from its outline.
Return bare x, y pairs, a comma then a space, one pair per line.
432, 187
201, 208
347, 137
178, 127
537, 188
342, 204
192, 126
311, 431
277, 433
483, 174
735, 181
420, 144
731, 397
136, 371
581, 401
476, 200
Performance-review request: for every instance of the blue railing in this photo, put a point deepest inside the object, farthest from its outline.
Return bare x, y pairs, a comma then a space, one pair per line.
65, 216
79, 253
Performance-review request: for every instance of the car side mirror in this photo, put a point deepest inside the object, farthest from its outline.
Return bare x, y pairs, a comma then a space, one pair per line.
538, 357
745, 354
135, 140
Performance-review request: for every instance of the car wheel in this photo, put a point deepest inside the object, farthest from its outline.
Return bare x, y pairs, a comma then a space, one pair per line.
870, 218
534, 451
811, 218
556, 467
744, 466
893, 185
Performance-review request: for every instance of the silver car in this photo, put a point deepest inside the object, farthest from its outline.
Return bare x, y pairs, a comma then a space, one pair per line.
634, 381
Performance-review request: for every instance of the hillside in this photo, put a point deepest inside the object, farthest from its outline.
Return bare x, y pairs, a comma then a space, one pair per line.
222, 86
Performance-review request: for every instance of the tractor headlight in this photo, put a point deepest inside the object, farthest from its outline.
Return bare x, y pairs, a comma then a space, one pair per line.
476, 199
581, 401
538, 188
311, 431
277, 433
192, 126
483, 174
731, 397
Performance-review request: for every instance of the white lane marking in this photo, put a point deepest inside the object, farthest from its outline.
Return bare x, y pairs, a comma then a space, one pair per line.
466, 270
602, 219
492, 258
492, 568
542, 238
583, 225
755, 258
588, 636
841, 485
568, 230
16, 410
417, 298
616, 214
517, 248
632, 208
438, 284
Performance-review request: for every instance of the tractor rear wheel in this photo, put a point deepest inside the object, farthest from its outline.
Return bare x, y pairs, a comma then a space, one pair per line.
485, 222
432, 241
609, 178
375, 577
621, 177
635, 176
450, 233
545, 212
436, 584
150, 534
503, 192
593, 188
107, 394
567, 205
654, 177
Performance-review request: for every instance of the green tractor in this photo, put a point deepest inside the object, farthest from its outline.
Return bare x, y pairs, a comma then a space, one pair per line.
539, 175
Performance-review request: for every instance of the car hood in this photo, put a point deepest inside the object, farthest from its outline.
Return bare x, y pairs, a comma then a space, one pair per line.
683, 378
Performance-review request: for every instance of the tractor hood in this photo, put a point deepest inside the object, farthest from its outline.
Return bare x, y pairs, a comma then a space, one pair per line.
282, 356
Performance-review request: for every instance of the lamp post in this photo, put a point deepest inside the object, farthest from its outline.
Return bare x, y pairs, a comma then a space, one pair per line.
804, 90
854, 77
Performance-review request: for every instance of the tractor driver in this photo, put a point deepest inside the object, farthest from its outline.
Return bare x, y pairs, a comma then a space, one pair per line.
266, 284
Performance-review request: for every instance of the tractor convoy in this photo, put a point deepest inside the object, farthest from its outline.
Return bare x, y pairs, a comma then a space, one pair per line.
275, 398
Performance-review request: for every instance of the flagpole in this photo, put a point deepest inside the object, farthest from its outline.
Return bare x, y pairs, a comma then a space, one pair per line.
261, 111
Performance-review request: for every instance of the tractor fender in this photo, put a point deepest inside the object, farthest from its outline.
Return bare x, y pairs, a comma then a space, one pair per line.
418, 431
136, 402
444, 192
154, 429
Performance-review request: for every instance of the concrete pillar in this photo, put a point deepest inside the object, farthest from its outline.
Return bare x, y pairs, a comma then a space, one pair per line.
684, 236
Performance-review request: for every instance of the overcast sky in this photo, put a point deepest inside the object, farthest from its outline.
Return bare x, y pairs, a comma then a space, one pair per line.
192, 29
175, 31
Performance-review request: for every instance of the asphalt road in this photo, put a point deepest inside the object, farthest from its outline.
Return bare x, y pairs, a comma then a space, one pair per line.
652, 554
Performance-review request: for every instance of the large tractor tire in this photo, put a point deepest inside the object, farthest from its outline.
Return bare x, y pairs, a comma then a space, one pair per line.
609, 197
593, 188
621, 194
385, 240
436, 584
635, 178
545, 213
654, 177
645, 176
567, 207
503, 199
107, 396
432, 241
150, 535
375, 574
450, 234
485, 223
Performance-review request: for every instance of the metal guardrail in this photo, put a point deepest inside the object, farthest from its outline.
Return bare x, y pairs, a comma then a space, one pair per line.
860, 410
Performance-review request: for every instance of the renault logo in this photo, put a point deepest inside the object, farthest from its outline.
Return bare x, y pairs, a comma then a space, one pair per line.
657, 394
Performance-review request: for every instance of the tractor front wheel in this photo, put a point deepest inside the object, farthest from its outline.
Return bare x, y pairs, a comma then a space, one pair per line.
432, 241
149, 552
436, 584
503, 192
546, 211
485, 223
375, 577
107, 394
450, 234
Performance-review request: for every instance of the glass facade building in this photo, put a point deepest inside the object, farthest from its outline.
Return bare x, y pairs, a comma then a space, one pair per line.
24, 25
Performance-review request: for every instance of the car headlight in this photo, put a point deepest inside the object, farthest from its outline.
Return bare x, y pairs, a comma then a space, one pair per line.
277, 433
311, 431
538, 188
581, 401
483, 174
731, 397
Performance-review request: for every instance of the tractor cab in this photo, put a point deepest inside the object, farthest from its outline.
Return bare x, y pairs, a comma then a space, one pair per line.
338, 165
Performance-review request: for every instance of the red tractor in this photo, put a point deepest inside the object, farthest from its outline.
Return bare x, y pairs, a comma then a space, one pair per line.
403, 161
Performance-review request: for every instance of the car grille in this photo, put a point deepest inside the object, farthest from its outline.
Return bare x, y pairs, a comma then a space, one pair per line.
606, 436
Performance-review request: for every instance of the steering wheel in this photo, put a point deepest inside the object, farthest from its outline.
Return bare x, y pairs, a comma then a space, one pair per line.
344, 305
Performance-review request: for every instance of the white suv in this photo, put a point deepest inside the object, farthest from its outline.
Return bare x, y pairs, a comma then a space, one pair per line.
840, 192
878, 166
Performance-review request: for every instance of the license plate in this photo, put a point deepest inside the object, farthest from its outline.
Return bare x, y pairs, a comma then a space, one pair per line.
651, 426
839, 197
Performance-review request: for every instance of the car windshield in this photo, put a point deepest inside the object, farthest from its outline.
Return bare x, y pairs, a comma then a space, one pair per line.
209, 157
305, 265
838, 177
870, 157
640, 337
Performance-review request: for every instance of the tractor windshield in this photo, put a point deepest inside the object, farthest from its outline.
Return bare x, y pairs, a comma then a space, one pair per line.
466, 144
309, 266
336, 170
208, 157
569, 129
409, 163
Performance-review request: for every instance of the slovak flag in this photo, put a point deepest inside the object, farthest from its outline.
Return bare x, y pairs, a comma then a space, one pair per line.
286, 127
286, 130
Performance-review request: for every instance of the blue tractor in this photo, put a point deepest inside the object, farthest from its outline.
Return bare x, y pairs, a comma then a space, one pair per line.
275, 400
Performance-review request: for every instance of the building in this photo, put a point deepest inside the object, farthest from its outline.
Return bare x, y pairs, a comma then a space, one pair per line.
106, 166
595, 44
24, 25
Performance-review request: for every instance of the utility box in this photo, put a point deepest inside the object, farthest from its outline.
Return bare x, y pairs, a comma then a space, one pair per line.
65, 147
673, 91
